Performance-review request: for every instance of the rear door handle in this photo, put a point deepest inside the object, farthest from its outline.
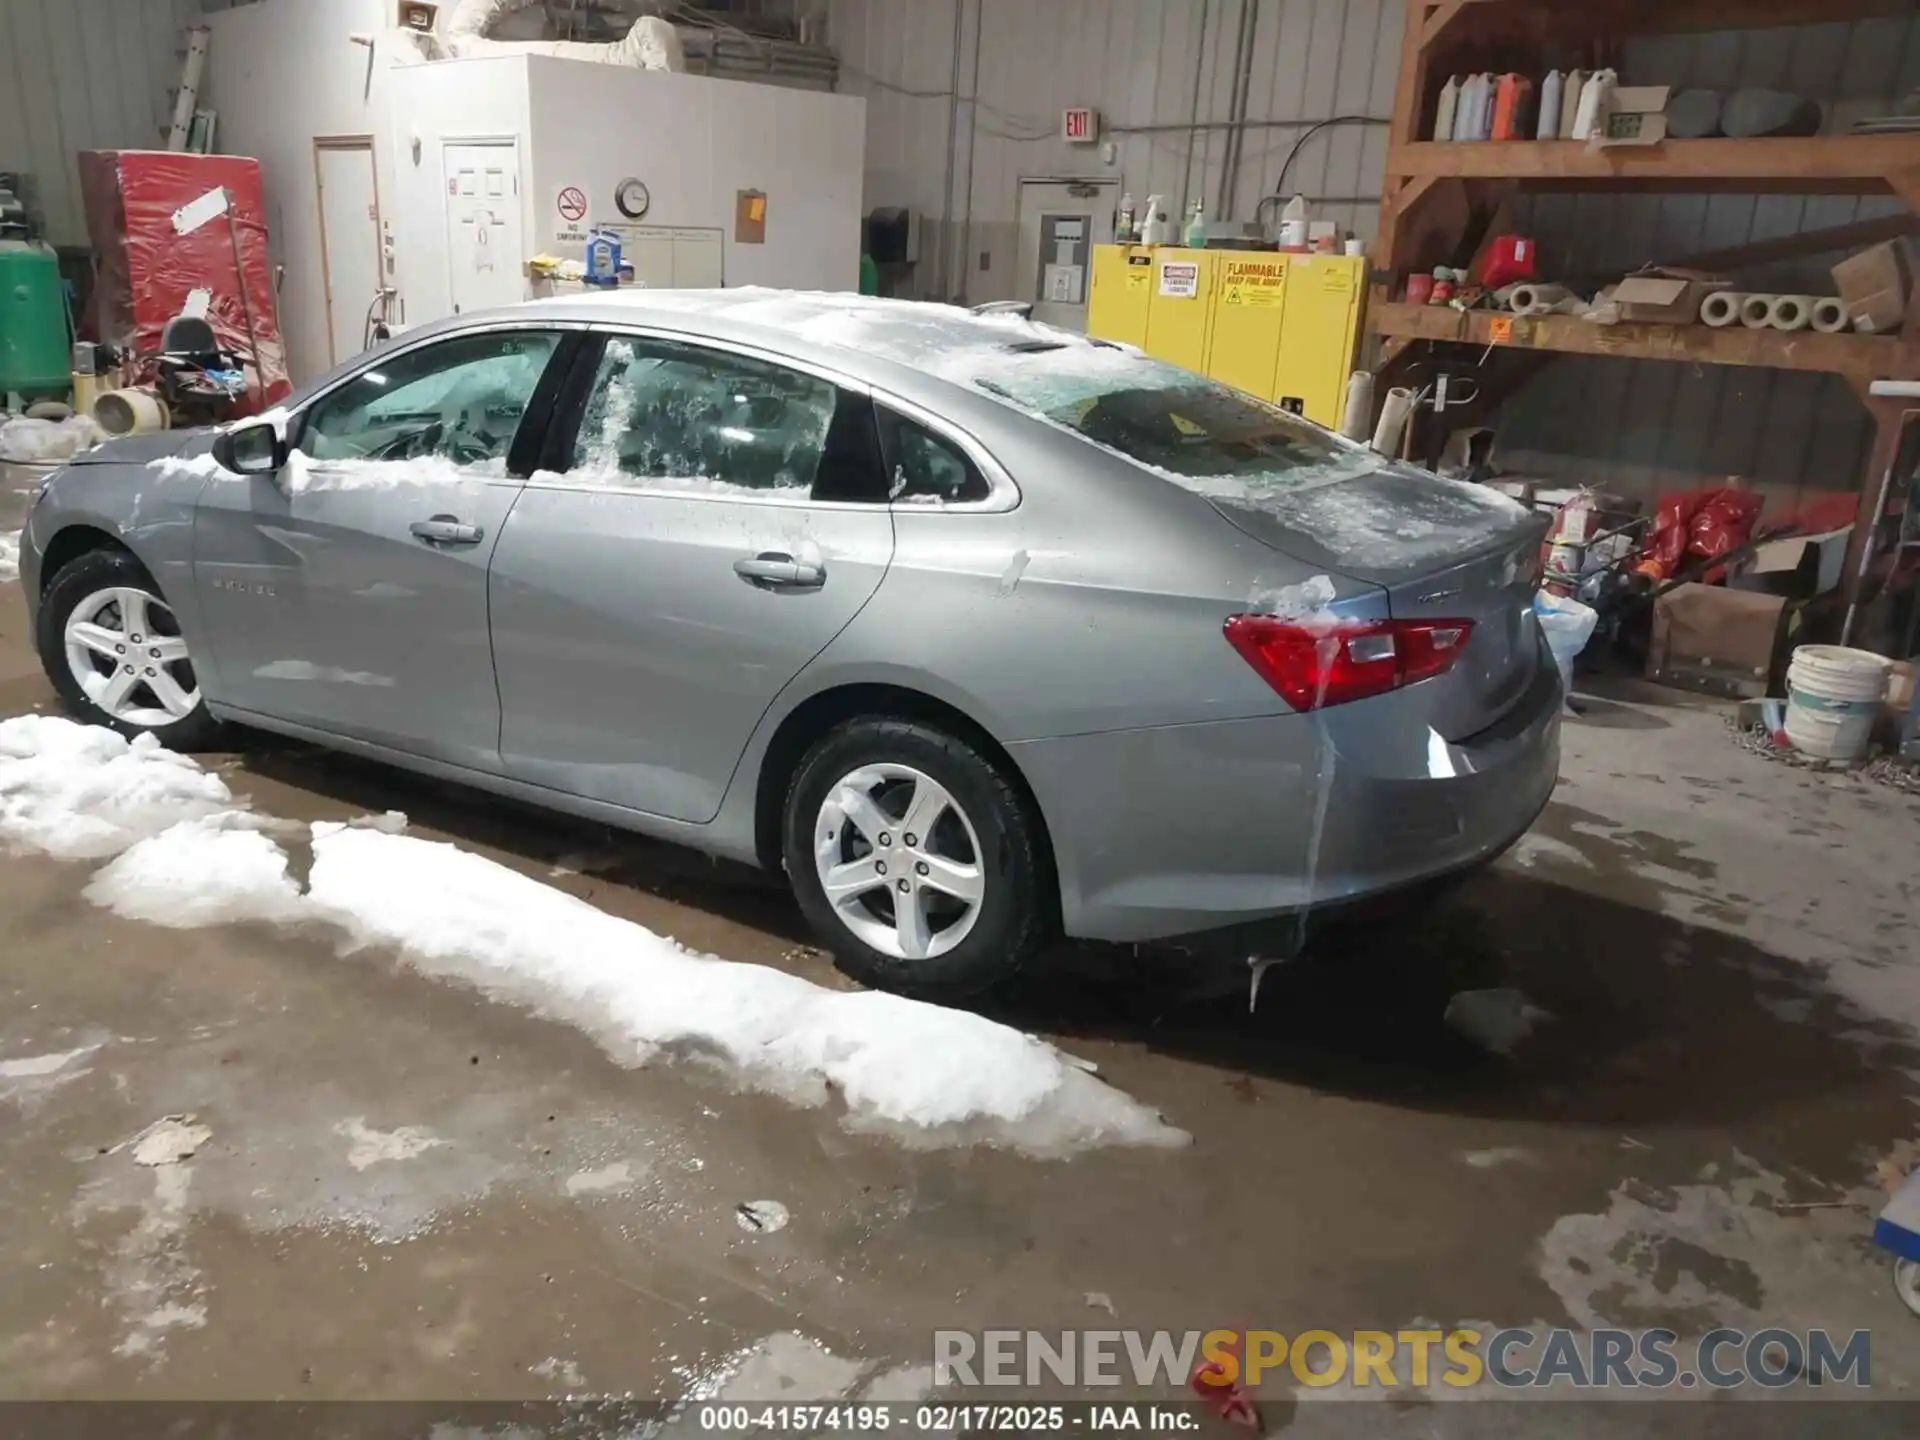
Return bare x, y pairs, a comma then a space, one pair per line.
446, 530
776, 570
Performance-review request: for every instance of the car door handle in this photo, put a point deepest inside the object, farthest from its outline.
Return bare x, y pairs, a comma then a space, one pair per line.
446, 530
776, 570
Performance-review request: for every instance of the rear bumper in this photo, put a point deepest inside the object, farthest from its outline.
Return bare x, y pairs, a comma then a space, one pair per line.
1187, 829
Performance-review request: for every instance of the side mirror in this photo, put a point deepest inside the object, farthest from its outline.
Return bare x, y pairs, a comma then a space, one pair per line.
251, 449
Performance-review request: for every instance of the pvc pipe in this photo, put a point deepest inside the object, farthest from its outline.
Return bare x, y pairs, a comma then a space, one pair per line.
1790, 312
1537, 298
1353, 419
1756, 311
1830, 315
130, 412
1393, 420
1722, 308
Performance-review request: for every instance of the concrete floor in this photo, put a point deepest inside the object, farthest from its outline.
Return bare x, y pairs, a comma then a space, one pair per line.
409, 1191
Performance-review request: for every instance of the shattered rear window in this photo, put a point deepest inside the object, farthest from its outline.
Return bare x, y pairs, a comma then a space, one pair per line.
1189, 429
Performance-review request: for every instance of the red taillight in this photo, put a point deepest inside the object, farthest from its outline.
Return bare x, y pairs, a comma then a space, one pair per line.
1313, 666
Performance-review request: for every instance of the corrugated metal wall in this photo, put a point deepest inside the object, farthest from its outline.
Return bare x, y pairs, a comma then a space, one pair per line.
1155, 69
1641, 428
83, 75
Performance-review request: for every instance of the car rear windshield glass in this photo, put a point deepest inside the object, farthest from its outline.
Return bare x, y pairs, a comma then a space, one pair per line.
1189, 429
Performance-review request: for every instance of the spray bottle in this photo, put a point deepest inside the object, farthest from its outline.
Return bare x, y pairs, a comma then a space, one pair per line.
1196, 236
1156, 230
1123, 225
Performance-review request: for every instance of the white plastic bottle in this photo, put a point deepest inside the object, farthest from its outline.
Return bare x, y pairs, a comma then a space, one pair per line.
1449, 107
1155, 229
1593, 104
1570, 92
1549, 126
1293, 224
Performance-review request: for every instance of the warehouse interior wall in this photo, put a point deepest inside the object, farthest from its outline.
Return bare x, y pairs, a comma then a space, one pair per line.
964, 100
84, 75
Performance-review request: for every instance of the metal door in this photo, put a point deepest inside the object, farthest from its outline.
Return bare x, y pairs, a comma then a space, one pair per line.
1060, 223
486, 247
349, 241
649, 603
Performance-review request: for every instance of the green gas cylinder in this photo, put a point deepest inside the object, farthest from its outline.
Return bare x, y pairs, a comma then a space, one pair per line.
35, 359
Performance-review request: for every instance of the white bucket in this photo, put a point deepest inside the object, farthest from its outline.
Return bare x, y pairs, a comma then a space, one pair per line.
1833, 698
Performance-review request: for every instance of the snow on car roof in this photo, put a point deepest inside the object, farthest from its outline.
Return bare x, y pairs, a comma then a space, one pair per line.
945, 340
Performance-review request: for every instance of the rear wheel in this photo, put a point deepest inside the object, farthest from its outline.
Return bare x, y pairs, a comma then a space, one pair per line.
916, 860
111, 646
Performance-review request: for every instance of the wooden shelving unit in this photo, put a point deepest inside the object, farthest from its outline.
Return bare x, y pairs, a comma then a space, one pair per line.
1434, 190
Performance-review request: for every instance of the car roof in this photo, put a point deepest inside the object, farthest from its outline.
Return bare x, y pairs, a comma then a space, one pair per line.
864, 336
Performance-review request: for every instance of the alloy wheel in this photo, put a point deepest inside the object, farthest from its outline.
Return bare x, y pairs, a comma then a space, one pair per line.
127, 656
899, 861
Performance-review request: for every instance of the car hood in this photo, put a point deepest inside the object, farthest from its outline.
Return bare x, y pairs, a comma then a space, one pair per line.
1383, 525
141, 449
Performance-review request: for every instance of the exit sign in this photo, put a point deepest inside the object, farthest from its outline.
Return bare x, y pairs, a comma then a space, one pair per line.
1080, 125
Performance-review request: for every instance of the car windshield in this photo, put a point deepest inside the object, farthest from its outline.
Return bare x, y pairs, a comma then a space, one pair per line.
1191, 430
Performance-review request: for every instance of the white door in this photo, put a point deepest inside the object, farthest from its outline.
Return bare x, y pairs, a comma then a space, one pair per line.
485, 240
350, 240
1060, 223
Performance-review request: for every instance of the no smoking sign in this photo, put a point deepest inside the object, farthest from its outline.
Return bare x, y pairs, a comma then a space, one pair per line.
572, 204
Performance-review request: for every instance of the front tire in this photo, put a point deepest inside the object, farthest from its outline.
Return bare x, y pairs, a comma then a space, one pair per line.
110, 644
917, 860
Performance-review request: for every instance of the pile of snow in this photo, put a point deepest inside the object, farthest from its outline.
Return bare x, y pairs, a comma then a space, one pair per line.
81, 792
189, 856
202, 466
899, 1065
9, 556
200, 872
27, 440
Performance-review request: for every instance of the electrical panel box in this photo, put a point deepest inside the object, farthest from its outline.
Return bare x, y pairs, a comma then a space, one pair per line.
1180, 309
1122, 291
1282, 326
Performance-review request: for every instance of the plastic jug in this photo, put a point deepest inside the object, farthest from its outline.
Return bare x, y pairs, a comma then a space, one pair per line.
1548, 126
1449, 107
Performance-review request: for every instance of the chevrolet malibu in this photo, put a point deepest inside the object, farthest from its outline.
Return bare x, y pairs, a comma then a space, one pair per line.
982, 632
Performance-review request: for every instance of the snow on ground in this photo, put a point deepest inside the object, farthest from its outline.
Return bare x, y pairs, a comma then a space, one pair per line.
81, 792
188, 856
9, 557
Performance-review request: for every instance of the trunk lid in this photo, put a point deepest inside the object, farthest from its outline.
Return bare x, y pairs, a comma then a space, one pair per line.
1441, 549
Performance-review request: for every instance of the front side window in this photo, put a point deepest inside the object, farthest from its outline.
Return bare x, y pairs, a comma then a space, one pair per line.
461, 400
667, 416
1194, 431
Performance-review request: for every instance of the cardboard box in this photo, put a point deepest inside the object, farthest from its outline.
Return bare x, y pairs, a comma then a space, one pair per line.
1659, 295
1875, 284
1720, 641
1635, 115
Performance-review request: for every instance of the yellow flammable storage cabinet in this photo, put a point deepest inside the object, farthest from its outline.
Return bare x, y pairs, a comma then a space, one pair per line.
1122, 290
1284, 327
1248, 322
1319, 334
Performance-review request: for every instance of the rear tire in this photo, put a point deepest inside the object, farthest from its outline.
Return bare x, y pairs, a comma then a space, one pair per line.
81, 601
900, 919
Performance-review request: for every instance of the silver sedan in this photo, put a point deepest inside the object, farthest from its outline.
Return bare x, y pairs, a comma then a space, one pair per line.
981, 631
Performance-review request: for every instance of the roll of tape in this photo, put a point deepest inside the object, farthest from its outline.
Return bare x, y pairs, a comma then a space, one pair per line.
1830, 315
1790, 312
1722, 308
1756, 311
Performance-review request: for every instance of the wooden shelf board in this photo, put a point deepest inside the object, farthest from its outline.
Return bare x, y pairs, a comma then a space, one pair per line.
1863, 357
1827, 164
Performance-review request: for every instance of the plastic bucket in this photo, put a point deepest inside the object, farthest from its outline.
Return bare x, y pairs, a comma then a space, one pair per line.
1833, 698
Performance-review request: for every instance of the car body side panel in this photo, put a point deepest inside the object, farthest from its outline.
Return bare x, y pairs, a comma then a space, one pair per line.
321, 607
147, 508
633, 662
1181, 829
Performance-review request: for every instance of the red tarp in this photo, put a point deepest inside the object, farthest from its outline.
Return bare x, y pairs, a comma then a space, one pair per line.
147, 268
